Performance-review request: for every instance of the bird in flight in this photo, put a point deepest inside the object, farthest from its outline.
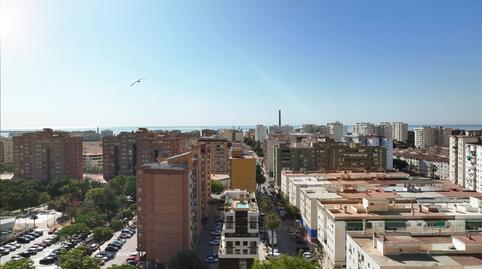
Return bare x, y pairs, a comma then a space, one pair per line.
137, 81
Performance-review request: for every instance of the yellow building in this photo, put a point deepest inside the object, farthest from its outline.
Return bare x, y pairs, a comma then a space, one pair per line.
243, 172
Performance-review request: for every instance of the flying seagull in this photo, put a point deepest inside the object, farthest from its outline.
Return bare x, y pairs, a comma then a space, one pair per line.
137, 81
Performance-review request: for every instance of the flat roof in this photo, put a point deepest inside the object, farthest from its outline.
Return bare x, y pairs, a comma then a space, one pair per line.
444, 256
163, 166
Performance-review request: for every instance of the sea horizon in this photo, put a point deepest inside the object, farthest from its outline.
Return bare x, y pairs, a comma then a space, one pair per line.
188, 128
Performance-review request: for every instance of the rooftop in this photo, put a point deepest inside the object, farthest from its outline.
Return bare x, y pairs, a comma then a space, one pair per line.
417, 252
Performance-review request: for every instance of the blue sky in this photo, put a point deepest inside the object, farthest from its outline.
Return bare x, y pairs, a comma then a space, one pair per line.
69, 63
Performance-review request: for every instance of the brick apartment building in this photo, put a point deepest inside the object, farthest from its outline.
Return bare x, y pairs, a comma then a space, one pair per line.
123, 152
46, 154
171, 201
219, 149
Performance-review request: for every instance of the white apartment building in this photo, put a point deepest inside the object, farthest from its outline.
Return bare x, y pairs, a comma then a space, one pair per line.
366, 128
432, 136
473, 166
337, 130
260, 133
239, 244
436, 216
413, 252
232, 135
399, 131
457, 157
426, 166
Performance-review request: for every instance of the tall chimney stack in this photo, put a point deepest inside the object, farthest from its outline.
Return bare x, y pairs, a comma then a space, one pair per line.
279, 117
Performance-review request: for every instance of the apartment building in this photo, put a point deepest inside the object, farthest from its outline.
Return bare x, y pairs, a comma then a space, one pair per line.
457, 157
373, 141
322, 130
251, 134
432, 136
231, 135
219, 150
170, 203
93, 157
260, 133
243, 171
413, 252
239, 244
6, 150
46, 154
328, 156
337, 130
384, 215
399, 131
123, 152
473, 166
429, 162
280, 129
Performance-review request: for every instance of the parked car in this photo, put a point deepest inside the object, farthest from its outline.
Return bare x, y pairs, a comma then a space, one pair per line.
93, 247
16, 257
23, 240
27, 253
211, 259
214, 242
111, 249
4, 251
47, 260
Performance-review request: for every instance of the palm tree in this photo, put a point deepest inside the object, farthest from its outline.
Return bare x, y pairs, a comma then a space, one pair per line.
272, 222
34, 217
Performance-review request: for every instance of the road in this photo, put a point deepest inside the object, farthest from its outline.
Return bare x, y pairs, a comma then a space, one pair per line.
120, 257
203, 248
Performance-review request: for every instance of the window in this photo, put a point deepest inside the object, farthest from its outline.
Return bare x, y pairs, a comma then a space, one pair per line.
245, 243
236, 243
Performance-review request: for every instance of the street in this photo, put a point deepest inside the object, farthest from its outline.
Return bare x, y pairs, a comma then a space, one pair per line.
120, 256
203, 248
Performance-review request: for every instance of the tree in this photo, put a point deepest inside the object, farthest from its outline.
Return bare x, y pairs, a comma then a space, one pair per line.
77, 228
43, 198
284, 262
91, 218
20, 264
400, 164
34, 217
186, 259
116, 225
78, 258
102, 234
104, 200
260, 178
265, 204
217, 187
272, 222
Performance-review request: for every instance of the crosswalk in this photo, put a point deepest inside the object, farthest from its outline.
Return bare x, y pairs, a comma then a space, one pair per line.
123, 254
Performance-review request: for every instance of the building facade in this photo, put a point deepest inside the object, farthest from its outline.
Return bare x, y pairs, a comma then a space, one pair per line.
243, 172
260, 133
432, 136
6, 150
219, 151
337, 130
473, 166
47, 154
123, 152
231, 135
169, 206
457, 157
239, 244
400, 131
329, 156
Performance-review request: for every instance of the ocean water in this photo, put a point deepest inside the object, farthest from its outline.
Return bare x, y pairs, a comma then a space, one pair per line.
119, 129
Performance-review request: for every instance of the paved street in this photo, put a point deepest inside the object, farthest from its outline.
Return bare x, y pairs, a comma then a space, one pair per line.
120, 257
203, 248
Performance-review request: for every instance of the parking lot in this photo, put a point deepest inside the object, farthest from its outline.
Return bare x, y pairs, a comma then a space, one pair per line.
37, 256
